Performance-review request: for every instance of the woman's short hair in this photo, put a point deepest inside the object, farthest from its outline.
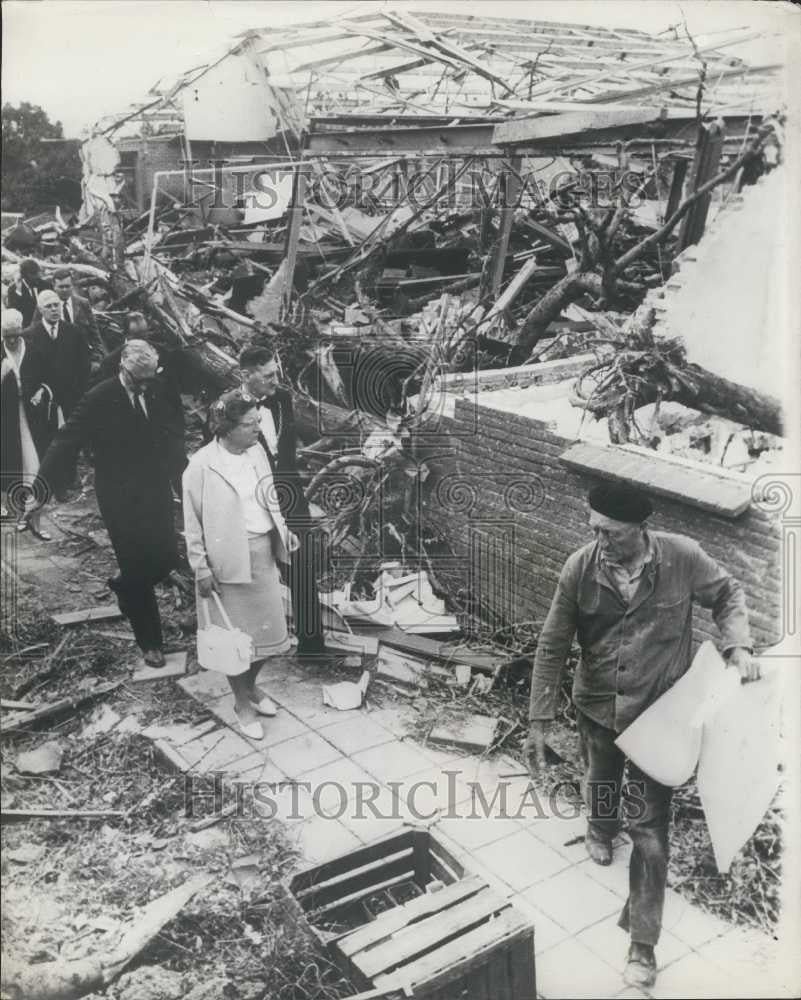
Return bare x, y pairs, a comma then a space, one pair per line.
11, 321
228, 410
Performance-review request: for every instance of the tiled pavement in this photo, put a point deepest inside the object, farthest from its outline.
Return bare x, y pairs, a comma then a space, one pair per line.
328, 759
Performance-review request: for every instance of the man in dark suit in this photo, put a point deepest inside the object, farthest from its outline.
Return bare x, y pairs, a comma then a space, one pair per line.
259, 368
64, 350
23, 293
125, 423
75, 309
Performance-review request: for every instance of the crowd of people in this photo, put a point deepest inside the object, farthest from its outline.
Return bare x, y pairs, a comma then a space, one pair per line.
246, 521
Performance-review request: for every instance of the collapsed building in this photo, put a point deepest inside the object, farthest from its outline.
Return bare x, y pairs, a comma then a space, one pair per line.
477, 242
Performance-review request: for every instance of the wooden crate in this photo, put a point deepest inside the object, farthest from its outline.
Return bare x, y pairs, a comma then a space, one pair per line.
461, 941
331, 895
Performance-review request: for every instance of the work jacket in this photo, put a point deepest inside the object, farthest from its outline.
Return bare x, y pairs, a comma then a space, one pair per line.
214, 522
631, 652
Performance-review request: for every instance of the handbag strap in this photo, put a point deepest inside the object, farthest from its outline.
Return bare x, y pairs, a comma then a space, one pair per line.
223, 612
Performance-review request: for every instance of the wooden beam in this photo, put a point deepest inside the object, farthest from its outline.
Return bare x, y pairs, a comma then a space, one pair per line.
708, 151
513, 183
293, 233
676, 185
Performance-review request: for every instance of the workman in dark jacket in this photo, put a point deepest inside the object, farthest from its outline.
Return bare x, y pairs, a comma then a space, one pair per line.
628, 598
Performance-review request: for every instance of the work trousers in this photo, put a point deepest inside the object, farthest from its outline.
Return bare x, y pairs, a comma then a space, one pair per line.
644, 805
136, 597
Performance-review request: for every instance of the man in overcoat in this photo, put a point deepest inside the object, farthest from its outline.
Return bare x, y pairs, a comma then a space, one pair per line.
127, 426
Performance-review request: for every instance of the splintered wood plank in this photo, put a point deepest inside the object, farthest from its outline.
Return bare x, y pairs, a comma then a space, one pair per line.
475, 733
391, 921
421, 937
366, 878
174, 666
105, 613
459, 956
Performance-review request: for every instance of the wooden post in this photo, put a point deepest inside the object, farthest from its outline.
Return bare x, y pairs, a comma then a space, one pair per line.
512, 191
676, 186
708, 150
293, 234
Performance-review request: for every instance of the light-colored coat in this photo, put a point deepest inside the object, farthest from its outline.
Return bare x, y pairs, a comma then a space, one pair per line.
214, 522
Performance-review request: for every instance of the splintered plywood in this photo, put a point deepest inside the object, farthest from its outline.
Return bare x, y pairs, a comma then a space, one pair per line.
688, 483
174, 666
475, 733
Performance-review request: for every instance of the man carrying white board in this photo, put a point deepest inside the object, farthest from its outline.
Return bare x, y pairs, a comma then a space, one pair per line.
628, 597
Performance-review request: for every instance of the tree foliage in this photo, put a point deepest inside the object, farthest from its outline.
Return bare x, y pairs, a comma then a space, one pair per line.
37, 174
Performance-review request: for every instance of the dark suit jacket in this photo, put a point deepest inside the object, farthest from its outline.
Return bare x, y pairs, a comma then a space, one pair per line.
66, 362
133, 466
83, 317
19, 297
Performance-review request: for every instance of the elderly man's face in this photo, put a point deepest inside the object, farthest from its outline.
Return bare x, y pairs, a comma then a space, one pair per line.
141, 375
617, 539
63, 288
51, 310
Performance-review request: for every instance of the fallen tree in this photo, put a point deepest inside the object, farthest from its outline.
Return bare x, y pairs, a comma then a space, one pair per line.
659, 371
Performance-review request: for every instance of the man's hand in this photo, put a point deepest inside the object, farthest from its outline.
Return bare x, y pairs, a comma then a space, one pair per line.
206, 586
745, 663
38, 397
534, 748
293, 542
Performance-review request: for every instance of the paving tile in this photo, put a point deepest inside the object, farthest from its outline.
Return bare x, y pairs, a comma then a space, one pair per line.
547, 933
276, 728
690, 923
320, 838
278, 668
263, 771
430, 793
287, 801
694, 978
398, 719
357, 732
196, 751
520, 860
610, 942
614, 877
303, 753
758, 962
558, 833
393, 761
471, 832
569, 971
205, 686
336, 787
254, 761
573, 900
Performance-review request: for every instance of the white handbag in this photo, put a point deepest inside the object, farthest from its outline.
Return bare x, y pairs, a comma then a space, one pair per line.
227, 650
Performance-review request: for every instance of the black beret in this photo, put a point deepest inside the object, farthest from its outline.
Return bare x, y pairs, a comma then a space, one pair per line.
621, 503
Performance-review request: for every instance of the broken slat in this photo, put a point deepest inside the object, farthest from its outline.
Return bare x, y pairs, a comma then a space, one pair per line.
105, 613
12, 814
390, 921
49, 711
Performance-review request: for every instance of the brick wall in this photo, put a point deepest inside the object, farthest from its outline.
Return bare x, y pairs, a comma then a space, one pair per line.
499, 489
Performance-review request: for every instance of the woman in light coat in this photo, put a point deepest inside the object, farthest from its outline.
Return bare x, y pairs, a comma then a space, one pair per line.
235, 536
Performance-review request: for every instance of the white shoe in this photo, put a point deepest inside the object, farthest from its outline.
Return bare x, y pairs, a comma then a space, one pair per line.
266, 707
252, 730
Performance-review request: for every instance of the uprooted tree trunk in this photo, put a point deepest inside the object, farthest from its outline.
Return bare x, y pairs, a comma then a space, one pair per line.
634, 378
599, 272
